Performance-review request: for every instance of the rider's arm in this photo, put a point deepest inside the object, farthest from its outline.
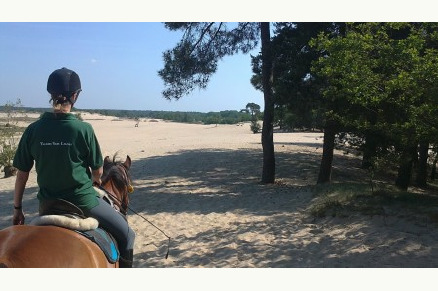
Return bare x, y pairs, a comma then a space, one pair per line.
20, 184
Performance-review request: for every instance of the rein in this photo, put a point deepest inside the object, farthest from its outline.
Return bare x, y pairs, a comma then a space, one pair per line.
124, 207
121, 183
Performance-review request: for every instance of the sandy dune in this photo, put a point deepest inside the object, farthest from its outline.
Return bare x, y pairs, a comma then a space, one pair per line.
200, 185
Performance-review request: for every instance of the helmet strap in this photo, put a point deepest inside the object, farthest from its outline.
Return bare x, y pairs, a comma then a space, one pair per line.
69, 99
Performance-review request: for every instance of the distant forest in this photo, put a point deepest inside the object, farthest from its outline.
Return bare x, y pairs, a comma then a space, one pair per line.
222, 117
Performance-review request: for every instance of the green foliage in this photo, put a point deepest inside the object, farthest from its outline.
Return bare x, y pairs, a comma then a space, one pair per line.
79, 116
377, 76
254, 111
8, 134
222, 117
194, 59
7, 150
296, 89
346, 199
381, 82
12, 111
255, 126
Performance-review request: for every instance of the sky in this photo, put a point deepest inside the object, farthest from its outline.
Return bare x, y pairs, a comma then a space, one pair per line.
118, 64
116, 47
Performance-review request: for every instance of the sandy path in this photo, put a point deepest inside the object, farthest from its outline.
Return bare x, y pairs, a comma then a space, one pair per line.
199, 184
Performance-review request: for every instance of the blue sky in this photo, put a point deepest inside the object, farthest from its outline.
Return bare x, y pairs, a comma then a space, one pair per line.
117, 63
116, 46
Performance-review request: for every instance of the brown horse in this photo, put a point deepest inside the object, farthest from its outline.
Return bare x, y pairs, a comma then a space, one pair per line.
30, 246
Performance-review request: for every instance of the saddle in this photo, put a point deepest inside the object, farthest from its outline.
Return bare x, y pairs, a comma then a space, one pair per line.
60, 207
62, 213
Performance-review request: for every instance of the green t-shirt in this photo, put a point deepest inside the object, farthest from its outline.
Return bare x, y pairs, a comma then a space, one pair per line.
64, 149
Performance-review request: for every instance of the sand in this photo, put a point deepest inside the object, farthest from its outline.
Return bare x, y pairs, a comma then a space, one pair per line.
200, 185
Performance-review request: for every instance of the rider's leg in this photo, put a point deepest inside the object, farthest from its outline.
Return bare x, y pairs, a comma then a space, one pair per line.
115, 223
126, 261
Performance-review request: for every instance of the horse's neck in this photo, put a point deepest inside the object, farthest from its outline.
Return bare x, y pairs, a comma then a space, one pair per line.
113, 193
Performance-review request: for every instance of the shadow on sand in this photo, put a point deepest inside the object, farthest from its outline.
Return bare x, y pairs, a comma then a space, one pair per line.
30, 205
219, 182
213, 176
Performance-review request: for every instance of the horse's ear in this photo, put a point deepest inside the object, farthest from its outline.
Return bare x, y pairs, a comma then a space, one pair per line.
107, 160
127, 163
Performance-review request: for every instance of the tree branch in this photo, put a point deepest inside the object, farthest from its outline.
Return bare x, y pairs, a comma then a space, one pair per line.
214, 37
201, 37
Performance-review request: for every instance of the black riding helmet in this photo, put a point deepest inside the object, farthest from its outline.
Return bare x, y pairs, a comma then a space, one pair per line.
63, 82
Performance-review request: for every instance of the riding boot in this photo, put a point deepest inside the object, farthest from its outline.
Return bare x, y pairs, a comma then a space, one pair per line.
126, 262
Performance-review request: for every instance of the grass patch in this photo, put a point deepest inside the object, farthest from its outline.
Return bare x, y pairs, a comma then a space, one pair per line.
346, 199
12, 130
18, 119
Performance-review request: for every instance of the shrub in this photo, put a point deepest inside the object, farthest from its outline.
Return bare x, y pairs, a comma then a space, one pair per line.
8, 138
255, 126
8, 147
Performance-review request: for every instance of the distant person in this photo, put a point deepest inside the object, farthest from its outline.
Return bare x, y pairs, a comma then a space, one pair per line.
68, 160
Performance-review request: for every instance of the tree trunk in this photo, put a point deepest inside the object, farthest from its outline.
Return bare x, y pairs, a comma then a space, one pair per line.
405, 168
369, 151
433, 172
268, 175
421, 179
325, 169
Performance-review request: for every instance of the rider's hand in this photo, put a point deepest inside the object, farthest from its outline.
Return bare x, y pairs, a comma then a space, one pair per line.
96, 175
97, 182
18, 218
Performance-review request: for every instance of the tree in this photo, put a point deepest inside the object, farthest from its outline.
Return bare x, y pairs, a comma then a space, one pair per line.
254, 110
382, 77
296, 88
194, 59
298, 101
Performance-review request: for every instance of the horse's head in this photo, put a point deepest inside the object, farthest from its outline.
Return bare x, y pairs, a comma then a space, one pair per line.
116, 180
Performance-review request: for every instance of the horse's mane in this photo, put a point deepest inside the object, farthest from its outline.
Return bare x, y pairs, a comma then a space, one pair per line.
111, 172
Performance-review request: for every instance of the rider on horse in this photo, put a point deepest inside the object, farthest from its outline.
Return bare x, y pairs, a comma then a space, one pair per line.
68, 161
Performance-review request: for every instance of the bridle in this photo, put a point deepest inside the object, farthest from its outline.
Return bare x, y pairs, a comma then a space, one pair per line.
112, 182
